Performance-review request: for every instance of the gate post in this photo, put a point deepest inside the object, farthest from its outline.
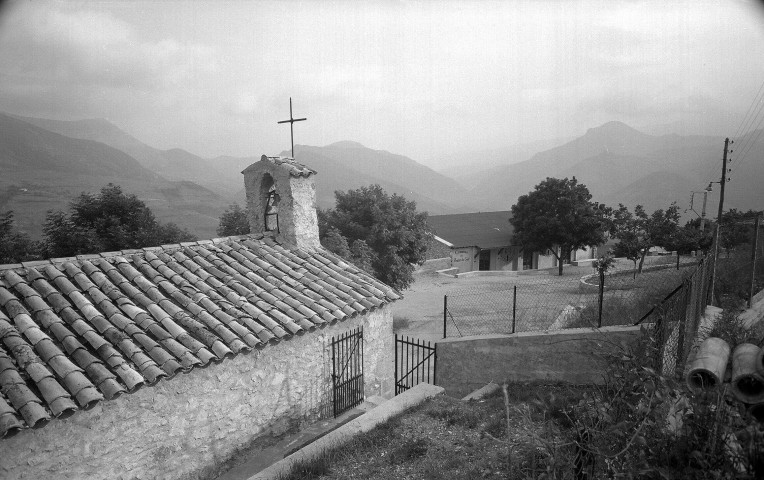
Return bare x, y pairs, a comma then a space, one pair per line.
445, 313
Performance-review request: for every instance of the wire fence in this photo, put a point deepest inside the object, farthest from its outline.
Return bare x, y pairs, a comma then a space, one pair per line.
674, 321
551, 303
668, 299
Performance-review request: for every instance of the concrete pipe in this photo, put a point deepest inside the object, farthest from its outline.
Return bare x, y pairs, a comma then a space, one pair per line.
760, 362
710, 363
757, 411
747, 384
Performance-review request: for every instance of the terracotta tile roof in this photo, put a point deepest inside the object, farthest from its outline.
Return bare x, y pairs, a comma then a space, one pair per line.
78, 331
296, 169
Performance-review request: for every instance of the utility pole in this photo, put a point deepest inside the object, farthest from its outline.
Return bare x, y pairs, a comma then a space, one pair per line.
703, 212
754, 243
722, 182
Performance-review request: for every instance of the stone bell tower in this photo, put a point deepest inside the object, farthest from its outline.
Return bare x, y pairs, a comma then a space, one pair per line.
281, 198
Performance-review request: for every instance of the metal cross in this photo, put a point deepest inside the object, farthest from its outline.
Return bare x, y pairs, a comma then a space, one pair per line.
291, 123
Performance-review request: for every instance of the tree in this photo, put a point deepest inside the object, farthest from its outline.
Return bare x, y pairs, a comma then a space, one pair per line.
382, 233
107, 221
637, 232
559, 216
234, 221
736, 228
15, 246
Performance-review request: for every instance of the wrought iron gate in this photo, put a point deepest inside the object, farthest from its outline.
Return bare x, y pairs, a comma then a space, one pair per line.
415, 362
347, 370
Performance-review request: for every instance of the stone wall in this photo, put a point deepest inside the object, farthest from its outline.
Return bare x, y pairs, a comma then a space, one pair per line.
186, 427
573, 356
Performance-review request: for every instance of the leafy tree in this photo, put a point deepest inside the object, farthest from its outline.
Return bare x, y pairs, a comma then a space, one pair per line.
107, 221
382, 233
637, 232
234, 221
559, 216
736, 228
15, 246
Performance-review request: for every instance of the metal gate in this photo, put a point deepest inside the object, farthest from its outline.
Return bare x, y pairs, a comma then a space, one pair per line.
347, 370
415, 362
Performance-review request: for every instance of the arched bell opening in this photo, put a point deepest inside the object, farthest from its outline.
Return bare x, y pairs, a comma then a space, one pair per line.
272, 199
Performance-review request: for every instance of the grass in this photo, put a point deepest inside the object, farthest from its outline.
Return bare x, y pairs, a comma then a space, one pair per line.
445, 438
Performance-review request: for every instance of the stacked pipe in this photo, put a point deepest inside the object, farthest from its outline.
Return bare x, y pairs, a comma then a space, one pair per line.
709, 368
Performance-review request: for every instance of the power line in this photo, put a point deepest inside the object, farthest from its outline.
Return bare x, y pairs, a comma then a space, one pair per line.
748, 142
753, 102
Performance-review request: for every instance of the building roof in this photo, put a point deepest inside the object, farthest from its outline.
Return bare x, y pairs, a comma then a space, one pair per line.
295, 168
481, 229
78, 331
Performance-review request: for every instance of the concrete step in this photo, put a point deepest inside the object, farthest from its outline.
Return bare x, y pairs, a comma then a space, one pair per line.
262, 459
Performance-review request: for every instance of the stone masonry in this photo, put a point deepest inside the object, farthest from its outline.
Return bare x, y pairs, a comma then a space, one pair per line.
185, 427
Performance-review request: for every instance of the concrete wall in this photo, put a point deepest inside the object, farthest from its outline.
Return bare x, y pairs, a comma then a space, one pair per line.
572, 356
184, 428
465, 259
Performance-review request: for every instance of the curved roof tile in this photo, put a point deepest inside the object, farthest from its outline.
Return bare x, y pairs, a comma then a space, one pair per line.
76, 331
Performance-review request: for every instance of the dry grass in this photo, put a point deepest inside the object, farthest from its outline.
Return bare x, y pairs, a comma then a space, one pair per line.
445, 438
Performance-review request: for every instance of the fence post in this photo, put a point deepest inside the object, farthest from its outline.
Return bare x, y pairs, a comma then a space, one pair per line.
753, 259
445, 314
514, 307
396, 364
677, 259
602, 294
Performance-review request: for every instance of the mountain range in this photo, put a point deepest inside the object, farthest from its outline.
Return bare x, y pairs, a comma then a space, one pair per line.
46, 163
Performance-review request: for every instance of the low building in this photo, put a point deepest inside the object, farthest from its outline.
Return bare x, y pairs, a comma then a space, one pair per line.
483, 241
163, 362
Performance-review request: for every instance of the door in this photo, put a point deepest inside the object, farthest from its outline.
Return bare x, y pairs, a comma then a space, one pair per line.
485, 260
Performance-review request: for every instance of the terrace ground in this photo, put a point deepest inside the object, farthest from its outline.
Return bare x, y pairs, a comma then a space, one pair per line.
484, 304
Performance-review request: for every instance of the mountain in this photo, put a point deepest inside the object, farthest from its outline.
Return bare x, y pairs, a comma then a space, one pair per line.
43, 170
622, 165
349, 165
470, 167
173, 164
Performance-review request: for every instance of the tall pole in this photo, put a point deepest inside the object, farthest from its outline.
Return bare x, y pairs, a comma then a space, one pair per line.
754, 242
722, 182
703, 212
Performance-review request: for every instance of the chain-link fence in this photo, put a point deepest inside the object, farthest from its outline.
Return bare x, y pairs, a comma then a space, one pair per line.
549, 302
675, 320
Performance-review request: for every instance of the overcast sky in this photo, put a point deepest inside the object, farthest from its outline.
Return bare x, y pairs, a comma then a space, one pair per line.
417, 78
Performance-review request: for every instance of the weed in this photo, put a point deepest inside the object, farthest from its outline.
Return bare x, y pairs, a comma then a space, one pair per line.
454, 415
409, 450
310, 469
732, 330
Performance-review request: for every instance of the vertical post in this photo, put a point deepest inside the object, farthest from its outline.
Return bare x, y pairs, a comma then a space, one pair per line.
396, 364
435, 366
753, 259
677, 259
445, 314
514, 308
602, 294
722, 182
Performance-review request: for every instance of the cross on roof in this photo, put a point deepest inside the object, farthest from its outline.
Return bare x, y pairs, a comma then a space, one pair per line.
291, 123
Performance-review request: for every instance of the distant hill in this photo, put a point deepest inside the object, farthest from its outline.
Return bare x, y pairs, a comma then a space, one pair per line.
349, 165
43, 170
173, 164
622, 165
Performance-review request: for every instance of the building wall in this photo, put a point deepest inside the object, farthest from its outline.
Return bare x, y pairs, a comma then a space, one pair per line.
185, 427
465, 259
572, 356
